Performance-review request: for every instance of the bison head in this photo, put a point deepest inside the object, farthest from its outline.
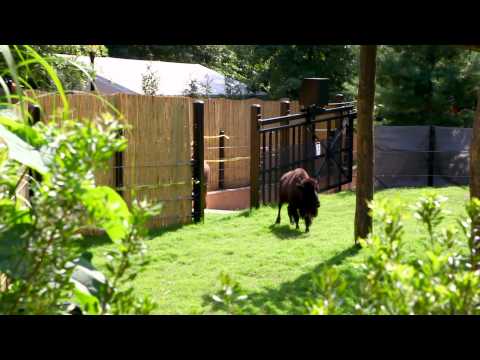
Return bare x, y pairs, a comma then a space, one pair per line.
309, 189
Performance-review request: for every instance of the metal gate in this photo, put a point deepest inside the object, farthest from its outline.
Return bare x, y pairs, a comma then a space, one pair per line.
319, 139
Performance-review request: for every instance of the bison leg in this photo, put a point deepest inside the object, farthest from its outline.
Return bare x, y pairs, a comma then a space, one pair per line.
290, 215
296, 217
308, 222
278, 216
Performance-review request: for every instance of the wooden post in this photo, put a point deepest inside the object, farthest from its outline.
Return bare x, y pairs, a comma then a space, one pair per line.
92, 59
475, 154
254, 155
284, 143
221, 157
339, 99
118, 158
475, 179
365, 168
340, 154
118, 165
199, 188
308, 143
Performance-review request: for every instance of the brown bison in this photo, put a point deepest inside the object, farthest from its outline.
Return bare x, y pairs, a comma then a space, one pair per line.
299, 190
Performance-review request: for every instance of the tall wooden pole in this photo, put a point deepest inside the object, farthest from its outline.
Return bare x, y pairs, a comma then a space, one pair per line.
199, 184
475, 181
255, 115
475, 154
365, 156
284, 138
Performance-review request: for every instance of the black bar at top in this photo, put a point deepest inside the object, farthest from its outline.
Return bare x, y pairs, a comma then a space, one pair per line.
303, 115
300, 124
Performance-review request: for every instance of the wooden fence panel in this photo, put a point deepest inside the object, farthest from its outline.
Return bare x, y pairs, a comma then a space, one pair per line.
157, 160
83, 107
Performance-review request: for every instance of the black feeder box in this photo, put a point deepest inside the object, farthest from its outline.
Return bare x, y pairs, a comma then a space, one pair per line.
314, 91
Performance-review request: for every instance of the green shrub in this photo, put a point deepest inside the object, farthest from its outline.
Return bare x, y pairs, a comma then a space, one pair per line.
230, 296
443, 281
46, 271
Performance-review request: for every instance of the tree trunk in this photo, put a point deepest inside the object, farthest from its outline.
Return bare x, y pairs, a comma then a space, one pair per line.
475, 154
365, 158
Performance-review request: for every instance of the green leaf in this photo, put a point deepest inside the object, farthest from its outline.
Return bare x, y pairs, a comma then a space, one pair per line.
24, 132
12, 250
109, 211
86, 301
22, 152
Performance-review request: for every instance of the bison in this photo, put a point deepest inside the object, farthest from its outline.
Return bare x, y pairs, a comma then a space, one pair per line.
299, 190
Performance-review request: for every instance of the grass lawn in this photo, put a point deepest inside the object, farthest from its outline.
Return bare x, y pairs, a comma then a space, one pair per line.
272, 263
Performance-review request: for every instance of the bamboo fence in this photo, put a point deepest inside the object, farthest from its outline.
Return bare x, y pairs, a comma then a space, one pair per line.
156, 163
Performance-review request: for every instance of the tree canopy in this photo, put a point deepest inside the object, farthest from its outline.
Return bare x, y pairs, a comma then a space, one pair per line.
274, 69
416, 84
427, 84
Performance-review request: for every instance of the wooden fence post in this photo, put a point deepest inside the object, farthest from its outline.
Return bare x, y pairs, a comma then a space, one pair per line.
221, 157
199, 188
118, 165
284, 141
339, 100
254, 154
308, 142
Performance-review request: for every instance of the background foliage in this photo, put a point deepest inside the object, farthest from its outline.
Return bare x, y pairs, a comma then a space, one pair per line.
427, 85
73, 75
416, 84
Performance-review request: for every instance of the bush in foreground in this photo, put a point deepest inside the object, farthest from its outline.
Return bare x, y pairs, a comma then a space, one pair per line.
41, 265
444, 280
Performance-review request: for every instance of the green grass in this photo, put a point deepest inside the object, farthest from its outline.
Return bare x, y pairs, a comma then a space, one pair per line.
272, 263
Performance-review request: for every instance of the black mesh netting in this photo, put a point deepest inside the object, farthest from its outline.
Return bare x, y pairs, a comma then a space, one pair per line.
405, 156
451, 156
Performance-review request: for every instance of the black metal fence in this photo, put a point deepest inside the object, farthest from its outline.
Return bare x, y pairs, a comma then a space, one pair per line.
320, 140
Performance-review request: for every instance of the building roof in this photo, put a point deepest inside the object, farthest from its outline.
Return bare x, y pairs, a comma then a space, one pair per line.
125, 75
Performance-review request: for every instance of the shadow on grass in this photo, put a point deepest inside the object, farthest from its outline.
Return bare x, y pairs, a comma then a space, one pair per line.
343, 193
285, 231
153, 233
290, 297
94, 240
